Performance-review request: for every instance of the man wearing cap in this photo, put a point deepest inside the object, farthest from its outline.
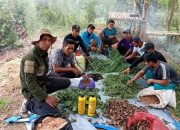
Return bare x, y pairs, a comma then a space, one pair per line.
137, 50
62, 61
148, 47
74, 35
124, 46
34, 82
109, 34
91, 41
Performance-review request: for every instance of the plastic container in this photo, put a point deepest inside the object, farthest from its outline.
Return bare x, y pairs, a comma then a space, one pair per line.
81, 104
80, 62
92, 106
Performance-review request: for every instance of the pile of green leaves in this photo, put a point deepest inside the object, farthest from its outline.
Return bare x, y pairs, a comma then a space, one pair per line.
114, 63
69, 98
116, 86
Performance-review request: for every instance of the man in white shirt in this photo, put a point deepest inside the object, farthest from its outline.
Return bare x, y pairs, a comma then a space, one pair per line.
137, 50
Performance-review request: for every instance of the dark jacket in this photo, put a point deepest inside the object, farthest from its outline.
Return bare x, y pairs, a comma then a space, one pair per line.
33, 70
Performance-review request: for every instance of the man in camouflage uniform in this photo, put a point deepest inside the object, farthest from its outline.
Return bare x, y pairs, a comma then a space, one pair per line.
35, 84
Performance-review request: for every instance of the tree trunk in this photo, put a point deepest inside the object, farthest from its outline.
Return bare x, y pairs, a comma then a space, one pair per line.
170, 14
134, 6
179, 17
145, 9
143, 35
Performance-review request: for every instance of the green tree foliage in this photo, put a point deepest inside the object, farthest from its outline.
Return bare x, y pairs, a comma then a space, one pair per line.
12, 12
59, 14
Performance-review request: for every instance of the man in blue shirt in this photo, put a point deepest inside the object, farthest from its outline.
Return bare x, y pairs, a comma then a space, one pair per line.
108, 34
90, 39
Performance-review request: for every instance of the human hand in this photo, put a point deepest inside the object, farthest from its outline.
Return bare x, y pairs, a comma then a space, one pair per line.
89, 58
93, 48
79, 72
127, 71
114, 46
99, 50
52, 101
75, 71
111, 36
150, 81
130, 82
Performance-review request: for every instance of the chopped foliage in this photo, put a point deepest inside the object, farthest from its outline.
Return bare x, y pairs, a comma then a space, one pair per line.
116, 86
69, 98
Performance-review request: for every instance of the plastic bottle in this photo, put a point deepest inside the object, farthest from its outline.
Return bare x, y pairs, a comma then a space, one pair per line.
81, 104
92, 106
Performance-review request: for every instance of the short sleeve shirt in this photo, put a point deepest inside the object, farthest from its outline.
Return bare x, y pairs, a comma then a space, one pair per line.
164, 71
125, 43
139, 50
57, 57
107, 32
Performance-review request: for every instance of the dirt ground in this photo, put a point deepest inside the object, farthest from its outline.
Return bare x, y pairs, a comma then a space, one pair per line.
10, 85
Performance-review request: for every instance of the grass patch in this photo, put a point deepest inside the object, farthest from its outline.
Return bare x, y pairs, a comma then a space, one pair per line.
3, 102
176, 110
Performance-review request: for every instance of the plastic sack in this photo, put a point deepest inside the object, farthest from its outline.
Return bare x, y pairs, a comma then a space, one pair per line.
67, 126
166, 97
89, 83
154, 122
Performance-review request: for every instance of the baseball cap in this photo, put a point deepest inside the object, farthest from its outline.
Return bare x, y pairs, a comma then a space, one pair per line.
91, 26
136, 39
127, 31
75, 27
148, 46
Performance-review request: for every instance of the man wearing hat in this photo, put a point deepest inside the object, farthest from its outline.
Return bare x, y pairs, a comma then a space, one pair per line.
109, 34
124, 46
74, 35
90, 39
34, 82
137, 50
148, 47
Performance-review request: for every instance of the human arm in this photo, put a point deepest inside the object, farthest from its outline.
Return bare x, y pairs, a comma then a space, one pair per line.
77, 72
128, 52
83, 47
85, 40
97, 39
136, 62
137, 76
132, 55
163, 82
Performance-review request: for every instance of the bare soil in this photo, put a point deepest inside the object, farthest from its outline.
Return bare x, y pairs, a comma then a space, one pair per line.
10, 88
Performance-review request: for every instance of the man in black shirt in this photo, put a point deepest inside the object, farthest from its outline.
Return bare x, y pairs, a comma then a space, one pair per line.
74, 35
149, 47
